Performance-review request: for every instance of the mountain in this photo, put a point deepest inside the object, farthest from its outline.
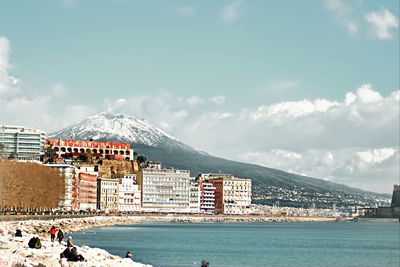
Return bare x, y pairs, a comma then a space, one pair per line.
269, 185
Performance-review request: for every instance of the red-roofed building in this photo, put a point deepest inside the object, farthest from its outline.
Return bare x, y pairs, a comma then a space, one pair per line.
107, 150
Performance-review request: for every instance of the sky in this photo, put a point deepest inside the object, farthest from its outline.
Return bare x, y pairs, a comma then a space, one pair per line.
310, 87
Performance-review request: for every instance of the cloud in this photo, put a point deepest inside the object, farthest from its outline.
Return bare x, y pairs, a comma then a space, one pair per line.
194, 101
280, 87
186, 11
343, 14
231, 12
8, 83
218, 100
381, 23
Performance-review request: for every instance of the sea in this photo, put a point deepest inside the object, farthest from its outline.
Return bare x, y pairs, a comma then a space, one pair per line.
355, 244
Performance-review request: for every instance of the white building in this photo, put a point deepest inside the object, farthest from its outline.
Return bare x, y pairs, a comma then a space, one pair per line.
194, 198
70, 174
22, 143
107, 194
129, 194
165, 190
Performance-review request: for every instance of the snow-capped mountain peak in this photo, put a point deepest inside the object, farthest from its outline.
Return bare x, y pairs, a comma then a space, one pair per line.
118, 127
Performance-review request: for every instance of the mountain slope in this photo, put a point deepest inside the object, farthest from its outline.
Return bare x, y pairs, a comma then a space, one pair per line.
269, 185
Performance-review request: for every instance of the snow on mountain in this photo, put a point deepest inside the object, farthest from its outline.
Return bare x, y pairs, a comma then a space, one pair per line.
118, 127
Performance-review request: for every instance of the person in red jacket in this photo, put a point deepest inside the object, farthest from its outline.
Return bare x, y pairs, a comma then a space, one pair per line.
53, 232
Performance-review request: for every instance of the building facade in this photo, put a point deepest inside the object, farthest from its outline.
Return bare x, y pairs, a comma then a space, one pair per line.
70, 174
232, 195
165, 190
129, 194
21, 143
87, 191
107, 150
107, 194
194, 198
207, 197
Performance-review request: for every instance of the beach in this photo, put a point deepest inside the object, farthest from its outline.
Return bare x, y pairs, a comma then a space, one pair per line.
14, 251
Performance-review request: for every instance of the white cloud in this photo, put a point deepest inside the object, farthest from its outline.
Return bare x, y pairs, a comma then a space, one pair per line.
343, 14
8, 84
194, 101
280, 87
218, 100
231, 12
381, 23
186, 10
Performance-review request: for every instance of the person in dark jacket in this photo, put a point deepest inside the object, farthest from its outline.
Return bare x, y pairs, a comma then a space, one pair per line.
71, 254
128, 255
60, 235
204, 263
18, 233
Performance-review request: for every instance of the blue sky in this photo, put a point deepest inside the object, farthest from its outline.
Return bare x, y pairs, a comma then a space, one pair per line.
304, 80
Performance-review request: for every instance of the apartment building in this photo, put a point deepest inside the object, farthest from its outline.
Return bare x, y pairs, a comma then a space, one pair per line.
21, 143
164, 190
207, 197
194, 198
107, 194
232, 194
70, 174
129, 194
87, 191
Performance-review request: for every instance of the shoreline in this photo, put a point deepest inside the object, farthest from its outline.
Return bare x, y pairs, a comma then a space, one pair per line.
14, 250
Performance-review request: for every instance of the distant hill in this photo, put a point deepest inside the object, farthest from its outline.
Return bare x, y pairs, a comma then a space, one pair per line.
269, 185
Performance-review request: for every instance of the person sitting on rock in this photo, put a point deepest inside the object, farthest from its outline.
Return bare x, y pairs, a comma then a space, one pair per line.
71, 254
18, 233
128, 255
69, 242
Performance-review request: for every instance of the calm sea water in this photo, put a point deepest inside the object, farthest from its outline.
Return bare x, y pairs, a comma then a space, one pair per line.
252, 244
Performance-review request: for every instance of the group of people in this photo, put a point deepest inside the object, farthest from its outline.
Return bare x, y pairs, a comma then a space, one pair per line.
56, 231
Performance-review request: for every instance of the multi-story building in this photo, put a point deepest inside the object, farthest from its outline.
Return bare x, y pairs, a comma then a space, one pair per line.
70, 174
207, 197
194, 197
21, 143
129, 194
76, 148
232, 195
107, 194
87, 191
164, 190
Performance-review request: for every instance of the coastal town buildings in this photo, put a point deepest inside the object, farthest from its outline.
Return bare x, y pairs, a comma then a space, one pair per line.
129, 194
107, 194
21, 143
383, 212
69, 174
207, 197
164, 190
97, 149
232, 194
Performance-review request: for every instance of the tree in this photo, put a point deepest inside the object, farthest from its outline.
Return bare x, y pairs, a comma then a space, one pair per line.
49, 153
2, 146
29, 186
141, 159
12, 156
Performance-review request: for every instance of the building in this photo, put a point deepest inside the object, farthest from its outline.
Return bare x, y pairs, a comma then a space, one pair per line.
97, 149
232, 195
384, 212
107, 194
70, 174
207, 197
194, 205
21, 143
164, 190
129, 194
87, 191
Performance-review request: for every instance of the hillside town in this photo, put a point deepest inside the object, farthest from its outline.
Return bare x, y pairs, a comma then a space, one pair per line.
111, 177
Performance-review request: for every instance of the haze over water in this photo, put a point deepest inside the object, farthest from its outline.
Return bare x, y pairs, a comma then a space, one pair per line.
251, 244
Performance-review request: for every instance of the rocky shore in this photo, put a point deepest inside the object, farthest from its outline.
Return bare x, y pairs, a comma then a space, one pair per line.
14, 251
